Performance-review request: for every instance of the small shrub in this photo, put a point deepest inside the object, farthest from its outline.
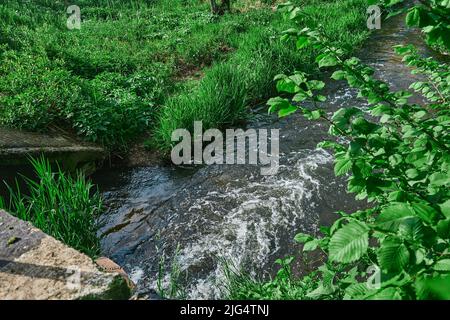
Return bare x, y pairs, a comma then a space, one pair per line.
396, 155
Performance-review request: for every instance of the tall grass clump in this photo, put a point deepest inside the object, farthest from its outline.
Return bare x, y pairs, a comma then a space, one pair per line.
169, 284
62, 206
240, 285
219, 99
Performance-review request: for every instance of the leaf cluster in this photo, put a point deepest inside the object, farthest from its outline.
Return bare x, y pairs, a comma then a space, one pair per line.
395, 154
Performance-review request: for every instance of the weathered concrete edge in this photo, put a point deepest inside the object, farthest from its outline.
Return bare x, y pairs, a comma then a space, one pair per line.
71, 156
27, 150
34, 265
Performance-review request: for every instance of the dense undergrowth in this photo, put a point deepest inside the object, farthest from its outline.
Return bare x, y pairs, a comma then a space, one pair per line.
396, 155
148, 66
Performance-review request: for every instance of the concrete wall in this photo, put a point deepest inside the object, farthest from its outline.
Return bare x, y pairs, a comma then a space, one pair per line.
34, 265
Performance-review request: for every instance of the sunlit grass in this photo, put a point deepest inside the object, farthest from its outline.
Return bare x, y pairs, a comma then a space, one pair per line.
124, 73
63, 206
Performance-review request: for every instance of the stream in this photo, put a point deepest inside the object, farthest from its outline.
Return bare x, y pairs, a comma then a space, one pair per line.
233, 212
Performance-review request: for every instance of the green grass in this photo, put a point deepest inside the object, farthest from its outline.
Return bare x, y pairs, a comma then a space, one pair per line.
149, 65
240, 285
228, 88
169, 283
60, 205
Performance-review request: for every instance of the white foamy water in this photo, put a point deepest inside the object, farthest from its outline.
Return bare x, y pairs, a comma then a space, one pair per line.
250, 231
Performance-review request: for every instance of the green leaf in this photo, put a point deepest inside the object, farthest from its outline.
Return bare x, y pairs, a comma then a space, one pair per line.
342, 116
291, 31
412, 173
419, 255
320, 98
315, 114
390, 293
357, 291
302, 237
413, 17
302, 42
443, 229
338, 75
320, 291
412, 229
301, 96
328, 61
287, 111
442, 265
287, 85
425, 212
311, 245
437, 287
342, 166
294, 13
277, 103
361, 125
392, 216
397, 196
393, 255
380, 110
349, 243
439, 179
395, 159
316, 84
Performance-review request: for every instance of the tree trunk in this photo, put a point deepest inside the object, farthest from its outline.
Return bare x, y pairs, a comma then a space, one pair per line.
226, 5
214, 7
220, 9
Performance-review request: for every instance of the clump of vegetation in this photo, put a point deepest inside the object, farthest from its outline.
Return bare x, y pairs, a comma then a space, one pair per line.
62, 206
147, 66
429, 15
240, 285
396, 155
228, 88
169, 283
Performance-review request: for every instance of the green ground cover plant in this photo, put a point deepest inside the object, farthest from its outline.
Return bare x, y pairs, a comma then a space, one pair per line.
396, 155
147, 66
229, 88
61, 205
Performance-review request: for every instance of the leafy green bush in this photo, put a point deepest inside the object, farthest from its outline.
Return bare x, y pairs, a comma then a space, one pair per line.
60, 205
432, 16
396, 155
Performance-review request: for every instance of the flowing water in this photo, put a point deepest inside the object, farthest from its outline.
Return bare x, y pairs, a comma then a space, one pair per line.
231, 211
